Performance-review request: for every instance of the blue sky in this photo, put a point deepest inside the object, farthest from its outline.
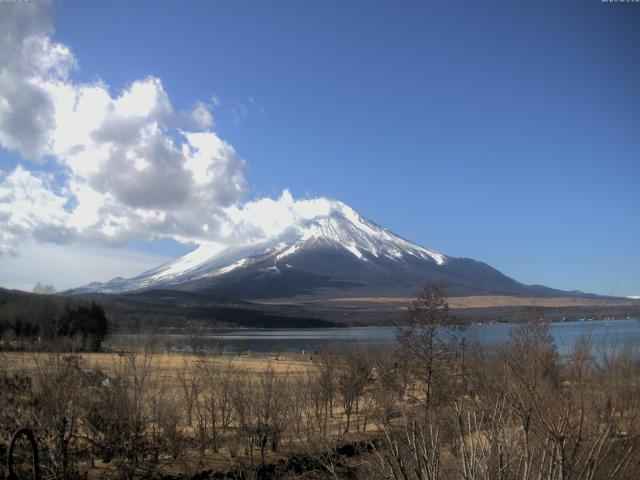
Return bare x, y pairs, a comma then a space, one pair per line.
504, 131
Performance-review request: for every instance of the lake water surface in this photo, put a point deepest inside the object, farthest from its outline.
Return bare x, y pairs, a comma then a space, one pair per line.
603, 334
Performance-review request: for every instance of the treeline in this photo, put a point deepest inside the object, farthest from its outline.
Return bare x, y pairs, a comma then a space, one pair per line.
425, 410
42, 321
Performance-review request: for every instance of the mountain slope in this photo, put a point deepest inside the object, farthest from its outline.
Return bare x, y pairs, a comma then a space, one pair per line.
338, 253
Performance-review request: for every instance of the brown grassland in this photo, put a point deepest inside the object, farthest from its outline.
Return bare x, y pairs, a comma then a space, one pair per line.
487, 301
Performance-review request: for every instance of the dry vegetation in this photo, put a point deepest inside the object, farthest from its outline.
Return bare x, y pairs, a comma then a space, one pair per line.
487, 301
420, 411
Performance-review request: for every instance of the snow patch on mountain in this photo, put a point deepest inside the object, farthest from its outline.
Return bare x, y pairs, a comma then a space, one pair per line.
188, 261
289, 250
233, 266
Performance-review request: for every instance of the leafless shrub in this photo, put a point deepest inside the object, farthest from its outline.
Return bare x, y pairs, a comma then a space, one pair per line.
119, 420
410, 450
58, 412
389, 383
213, 404
551, 418
189, 379
17, 406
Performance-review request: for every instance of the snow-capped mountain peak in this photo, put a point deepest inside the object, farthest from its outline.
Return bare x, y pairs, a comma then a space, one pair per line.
341, 229
317, 249
348, 229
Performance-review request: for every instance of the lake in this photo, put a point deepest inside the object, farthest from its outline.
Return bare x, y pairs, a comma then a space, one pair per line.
604, 333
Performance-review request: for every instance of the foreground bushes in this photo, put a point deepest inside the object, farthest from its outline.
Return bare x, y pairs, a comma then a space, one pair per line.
511, 411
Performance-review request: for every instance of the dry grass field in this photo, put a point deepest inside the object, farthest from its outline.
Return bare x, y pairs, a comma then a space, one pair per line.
163, 364
182, 382
488, 301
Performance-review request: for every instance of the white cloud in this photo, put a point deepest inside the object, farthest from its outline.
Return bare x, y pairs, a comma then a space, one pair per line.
133, 166
29, 207
144, 98
128, 165
202, 117
268, 217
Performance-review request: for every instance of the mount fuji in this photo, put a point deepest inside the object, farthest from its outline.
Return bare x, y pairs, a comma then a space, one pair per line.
339, 253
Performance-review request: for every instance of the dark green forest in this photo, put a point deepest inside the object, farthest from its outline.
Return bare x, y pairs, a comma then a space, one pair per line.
36, 321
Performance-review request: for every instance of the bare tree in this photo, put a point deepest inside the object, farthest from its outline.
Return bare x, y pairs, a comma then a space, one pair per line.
189, 378
411, 451
194, 331
216, 398
353, 376
327, 367
389, 381
271, 404
421, 343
